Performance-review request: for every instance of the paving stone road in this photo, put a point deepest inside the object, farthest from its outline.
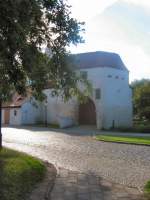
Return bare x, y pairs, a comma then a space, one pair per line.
78, 151
71, 185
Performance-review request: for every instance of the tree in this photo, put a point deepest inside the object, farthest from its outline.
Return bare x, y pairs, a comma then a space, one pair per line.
26, 26
141, 98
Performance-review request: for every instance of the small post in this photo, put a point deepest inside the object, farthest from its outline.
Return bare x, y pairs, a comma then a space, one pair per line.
46, 112
0, 124
113, 124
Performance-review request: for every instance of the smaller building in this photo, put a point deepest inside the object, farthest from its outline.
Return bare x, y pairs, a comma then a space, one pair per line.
21, 111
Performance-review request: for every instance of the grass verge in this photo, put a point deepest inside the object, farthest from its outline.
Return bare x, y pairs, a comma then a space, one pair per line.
134, 129
18, 174
147, 190
124, 139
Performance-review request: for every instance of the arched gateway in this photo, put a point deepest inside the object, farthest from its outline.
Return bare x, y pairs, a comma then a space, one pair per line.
87, 113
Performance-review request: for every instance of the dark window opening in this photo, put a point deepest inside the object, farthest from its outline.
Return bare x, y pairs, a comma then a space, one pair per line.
97, 93
109, 76
84, 74
15, 113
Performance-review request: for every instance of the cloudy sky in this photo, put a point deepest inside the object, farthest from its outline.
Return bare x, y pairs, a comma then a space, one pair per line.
121, 26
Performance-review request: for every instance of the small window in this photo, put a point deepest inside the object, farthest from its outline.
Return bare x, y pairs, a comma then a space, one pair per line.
97, 93
15, 112
84, 74
109, 76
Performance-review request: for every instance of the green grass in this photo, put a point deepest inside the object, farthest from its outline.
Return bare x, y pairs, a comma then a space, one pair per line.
138, 127
135, 129
53, 126
124, 139
147, 190
18, 174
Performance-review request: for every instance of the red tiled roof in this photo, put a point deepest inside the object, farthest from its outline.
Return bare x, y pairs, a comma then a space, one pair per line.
99, 59
17, 101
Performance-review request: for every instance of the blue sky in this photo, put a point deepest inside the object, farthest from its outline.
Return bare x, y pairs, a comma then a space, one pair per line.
121, 26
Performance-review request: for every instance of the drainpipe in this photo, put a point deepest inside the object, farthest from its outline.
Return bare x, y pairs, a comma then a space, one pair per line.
46, 103
98, 120
0, 124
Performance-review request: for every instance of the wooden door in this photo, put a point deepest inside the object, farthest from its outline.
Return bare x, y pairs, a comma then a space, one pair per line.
6, 116
87, 113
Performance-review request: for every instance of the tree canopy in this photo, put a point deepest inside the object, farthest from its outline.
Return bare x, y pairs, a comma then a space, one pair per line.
28, 26
141, 98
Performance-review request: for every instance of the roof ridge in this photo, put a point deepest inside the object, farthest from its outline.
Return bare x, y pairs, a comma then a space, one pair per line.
92, 52
99, 59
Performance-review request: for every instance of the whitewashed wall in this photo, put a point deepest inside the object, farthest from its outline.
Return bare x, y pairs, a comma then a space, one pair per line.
117, 99
31, 114
115, 104
56, 108
15, 119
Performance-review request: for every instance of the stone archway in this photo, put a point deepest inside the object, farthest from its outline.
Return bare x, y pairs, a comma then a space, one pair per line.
87, 113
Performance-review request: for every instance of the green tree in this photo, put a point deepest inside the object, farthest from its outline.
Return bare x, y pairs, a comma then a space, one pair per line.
26, 26
141, 98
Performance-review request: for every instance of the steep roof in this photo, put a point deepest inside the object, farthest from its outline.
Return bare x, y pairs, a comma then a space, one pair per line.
17, 102
99, 59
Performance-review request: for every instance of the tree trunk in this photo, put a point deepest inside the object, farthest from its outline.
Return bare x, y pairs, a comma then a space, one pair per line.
0, 124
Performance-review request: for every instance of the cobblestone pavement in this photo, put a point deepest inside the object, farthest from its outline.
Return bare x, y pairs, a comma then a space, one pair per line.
43, 190
76, 151
71, 185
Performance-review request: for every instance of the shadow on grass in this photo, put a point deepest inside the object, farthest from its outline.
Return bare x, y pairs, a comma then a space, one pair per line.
19, 173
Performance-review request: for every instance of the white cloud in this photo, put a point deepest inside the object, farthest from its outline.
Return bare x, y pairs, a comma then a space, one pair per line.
144, 3
136, 61
125, 37
84, 10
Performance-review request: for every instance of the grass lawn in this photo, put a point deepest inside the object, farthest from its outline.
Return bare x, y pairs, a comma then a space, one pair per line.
134, 129
138, 127
18, 174
147, 190
124, 139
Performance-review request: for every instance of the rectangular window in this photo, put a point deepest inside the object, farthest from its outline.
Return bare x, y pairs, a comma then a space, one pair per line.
97, 93
109, 76
15, 113
84, 74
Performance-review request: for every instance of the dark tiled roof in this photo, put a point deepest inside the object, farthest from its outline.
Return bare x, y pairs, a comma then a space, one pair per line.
99, 59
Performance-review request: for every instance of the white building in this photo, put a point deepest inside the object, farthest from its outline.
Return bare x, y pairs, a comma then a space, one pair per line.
109, 106
22, 111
